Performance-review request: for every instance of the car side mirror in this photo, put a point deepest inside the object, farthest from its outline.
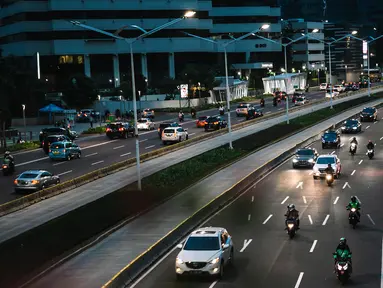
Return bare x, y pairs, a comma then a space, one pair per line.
225, 246
179, 246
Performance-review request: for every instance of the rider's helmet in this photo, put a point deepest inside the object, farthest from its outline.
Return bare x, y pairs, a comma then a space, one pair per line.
329, 165
7, 153
354, 139
342, 242
353, 199
291, 207
369, 142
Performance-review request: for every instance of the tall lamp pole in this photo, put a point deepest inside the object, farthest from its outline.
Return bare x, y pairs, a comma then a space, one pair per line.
224, 46
25, 125
130, 42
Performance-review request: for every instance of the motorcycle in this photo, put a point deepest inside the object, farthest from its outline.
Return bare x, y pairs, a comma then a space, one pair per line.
353, 148
353, 218
291, 227
370, 153
262, 103
193, 115
221, 112
329, 179
342, 270
181, 118
8, 168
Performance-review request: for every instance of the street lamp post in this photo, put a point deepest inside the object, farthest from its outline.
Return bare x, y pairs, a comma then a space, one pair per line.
130, 42
224, 46
25, 125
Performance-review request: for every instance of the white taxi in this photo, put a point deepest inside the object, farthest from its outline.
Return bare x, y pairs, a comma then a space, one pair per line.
174, 134
145, 124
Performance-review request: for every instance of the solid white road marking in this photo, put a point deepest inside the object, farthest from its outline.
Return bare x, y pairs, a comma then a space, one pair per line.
313, 246
191, 134
249, 217
299, 280
143, 140
304, 199
91, 154
118, 147
332, 152
346, 185
267, 219
252, 198
245, 244
369, 217
358, 199
98, 162
360, 162
268, 112
283, 202
381, 271
353, 172
367, 127
280, 109
300, 184
213, 284
59, 163
311, 220
126, 154
70, 171
32, 161
341, 145
151, 146
325, 220
336, 200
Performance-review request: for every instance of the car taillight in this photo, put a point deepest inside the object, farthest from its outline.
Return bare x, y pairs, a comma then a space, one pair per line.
120, 129
85, 115
43, 143
15, 182
49, 150
108, 129
35, 181
64, 150
215, 123
4, 166
158, 130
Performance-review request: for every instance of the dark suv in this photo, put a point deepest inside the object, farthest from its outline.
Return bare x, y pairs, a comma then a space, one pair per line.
56, 131
166, 125
46, 144
215, 123
119, 130
330, 139
369, 114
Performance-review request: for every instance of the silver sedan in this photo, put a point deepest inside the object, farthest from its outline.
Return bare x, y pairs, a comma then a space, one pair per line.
34, 180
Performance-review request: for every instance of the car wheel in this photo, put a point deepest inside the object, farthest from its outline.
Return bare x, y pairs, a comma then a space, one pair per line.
315, 177
79, 155
43, 187
323, 146
180, 139
187, 137
220, 275
164, 142
57, 181
68, 157
231, 259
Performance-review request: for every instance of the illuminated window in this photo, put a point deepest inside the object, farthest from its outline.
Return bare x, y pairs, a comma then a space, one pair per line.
80, 60
66, 59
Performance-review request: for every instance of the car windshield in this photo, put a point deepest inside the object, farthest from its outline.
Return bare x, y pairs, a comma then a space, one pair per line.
202, 118
53, 139
53, 131
242, 106
29, 175
300, 99
212, 119
323, 84
169, 131
57, 145
142, 121
329, 136
202, 243
114, 126
351, 122
326, 160
368, 110
307, 152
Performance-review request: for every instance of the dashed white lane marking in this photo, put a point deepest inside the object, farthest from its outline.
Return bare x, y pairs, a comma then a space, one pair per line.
336, 200
353, 172
325, 219
372, 221
341, 145
245, 244
267, 219
381, 138
351, 138
300, 184
284, 200
332, 152
311, 172
59, 163
143, 140
304, 199
118, 147
299, 280
311, 220
358, 199
213, 284
151, 146
360, 162
249, 217
63, 173
313, 246
367, 127
126, 154
268, 112
91, 154
191, 134
346, 185
252, 198
375, 122
98, 162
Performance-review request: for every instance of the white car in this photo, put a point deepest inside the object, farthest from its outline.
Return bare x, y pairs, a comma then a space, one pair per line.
174, 134
205, 252
322, 163
334, 93
339, 88
148, 113
323, 86
145, 124
301, 101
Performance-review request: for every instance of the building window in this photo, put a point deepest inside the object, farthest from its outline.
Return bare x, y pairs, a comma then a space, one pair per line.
66, 59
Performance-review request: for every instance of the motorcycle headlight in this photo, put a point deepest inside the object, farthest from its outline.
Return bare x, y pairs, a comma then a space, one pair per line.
179, 261
311, 160
328, 177
295, 160
340, 267
353, 209
345, 267
290, 225
214, 261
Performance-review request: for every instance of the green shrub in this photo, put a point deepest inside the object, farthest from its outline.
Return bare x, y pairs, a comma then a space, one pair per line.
29, 145
95, 130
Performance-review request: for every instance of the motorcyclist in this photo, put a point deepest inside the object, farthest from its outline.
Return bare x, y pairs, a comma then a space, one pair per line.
329, 169
262, 102
221, 110
9, 157
292, 213
343, 251
353, 141
193, 112
354, 203
181, 116
370, 145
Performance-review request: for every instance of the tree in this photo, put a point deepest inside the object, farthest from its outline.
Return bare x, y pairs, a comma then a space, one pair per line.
199, 73
168, 86
141, 87
81, 91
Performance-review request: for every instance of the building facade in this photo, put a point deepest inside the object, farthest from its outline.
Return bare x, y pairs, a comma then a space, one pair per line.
31, 27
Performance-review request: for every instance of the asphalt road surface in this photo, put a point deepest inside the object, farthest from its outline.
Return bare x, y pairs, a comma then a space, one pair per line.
271, 259
99, 151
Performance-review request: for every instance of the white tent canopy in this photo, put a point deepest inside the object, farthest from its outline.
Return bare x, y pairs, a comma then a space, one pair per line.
287, 82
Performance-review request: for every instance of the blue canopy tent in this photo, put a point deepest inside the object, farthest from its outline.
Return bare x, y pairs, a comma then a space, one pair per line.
51, 108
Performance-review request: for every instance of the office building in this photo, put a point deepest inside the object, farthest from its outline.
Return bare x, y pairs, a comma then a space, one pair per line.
30, 27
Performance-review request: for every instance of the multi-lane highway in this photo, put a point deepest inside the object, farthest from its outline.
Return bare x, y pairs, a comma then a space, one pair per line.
270, 259
99, 151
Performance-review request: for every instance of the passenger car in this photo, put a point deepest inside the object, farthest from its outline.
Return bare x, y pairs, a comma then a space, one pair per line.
301, 101
242, 109
206, 251
148, 113
254, 113
64, 150
165, 125
305, 157
351, 126
339, 88
85, 115
34, 180
201, 121
322, 163
215, 123
174, 134
334, 93
369, 114
330, 139
145, 124
119, 130
52, 139
57, 131
323, 86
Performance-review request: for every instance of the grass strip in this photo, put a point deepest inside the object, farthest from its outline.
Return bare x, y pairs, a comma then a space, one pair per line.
29, 145
95, 130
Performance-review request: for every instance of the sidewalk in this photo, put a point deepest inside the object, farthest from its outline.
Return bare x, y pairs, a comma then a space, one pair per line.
97, 265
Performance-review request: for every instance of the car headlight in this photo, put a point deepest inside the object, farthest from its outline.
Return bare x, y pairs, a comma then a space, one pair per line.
315, 169
354, 128
311, 160
179, 261
295, 160
343, 127
214, 261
